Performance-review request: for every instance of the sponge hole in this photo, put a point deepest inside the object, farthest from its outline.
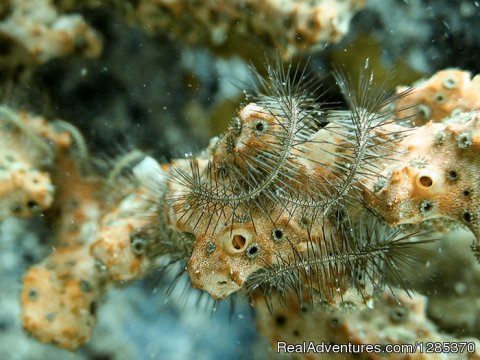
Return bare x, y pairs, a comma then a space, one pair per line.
426, 181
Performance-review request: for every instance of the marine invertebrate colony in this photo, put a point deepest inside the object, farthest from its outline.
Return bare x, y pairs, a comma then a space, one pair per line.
297, 203
341, 221
277, 190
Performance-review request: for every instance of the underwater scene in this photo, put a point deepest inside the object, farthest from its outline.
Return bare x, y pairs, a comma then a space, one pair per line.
239, 179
